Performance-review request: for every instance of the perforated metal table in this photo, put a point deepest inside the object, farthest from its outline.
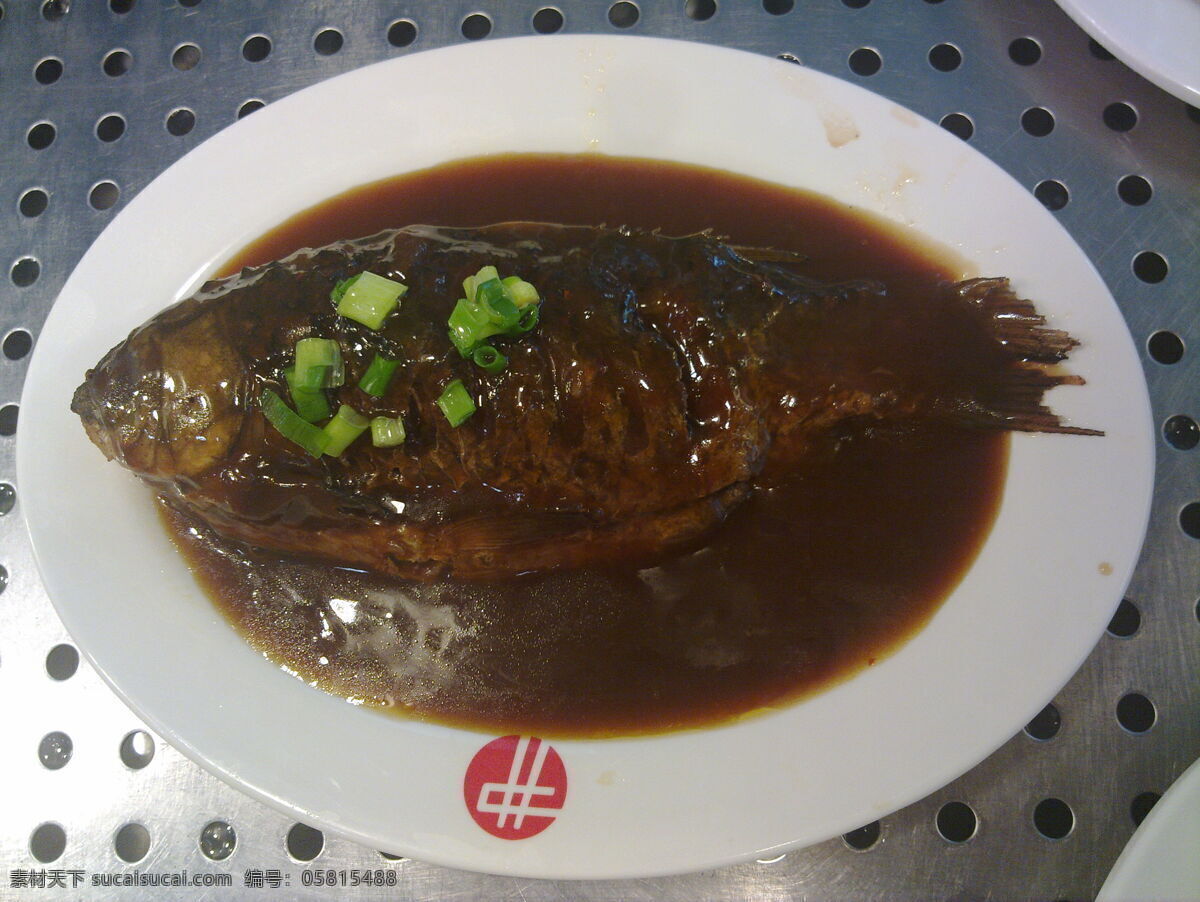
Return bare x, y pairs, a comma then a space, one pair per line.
99, 97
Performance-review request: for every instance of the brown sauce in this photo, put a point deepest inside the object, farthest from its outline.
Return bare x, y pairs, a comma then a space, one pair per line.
804, 585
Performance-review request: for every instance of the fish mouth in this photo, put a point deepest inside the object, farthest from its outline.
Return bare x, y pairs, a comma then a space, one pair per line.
87, 407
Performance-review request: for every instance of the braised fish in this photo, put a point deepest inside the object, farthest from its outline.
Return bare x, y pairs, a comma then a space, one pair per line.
666, 381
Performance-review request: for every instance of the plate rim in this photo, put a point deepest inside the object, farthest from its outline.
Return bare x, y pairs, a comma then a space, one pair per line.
457, 856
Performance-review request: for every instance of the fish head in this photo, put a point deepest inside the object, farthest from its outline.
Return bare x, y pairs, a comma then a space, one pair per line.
166, 402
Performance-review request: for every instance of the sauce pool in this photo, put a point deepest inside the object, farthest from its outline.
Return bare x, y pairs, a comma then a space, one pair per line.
804, 585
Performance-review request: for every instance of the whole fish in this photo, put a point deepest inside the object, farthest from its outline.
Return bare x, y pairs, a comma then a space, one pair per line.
667, 380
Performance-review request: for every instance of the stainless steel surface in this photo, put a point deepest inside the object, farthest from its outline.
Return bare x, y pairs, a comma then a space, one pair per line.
1098, 767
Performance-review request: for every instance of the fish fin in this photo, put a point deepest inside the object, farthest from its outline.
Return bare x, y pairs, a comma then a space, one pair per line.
1015, 400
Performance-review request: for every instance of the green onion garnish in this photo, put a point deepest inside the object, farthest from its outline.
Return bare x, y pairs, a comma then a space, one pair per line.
456, 403
529, 319
311, 403
311, 438
347, 425
470, 326
387, 432
493, 306
318, 364
375, 380
367, 298
489, 359
519, 291
470, 282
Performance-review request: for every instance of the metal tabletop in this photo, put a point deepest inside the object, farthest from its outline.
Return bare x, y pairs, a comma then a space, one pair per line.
99, 96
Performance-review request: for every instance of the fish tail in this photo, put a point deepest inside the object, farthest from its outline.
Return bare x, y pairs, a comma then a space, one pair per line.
1014, 400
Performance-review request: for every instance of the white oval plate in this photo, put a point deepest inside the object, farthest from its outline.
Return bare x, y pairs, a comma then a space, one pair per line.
1033, 604
1158, 39
1161, 862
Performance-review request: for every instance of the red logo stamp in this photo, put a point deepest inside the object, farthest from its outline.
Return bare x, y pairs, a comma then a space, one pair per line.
514, 785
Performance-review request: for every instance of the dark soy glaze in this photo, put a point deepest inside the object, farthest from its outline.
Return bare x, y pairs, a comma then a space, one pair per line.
804, 585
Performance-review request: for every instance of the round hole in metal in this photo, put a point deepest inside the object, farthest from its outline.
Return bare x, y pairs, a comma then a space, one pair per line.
865, 61
48, 71
137, 749
304, 843
945, 57
1136, 713
1037, 121
1126, 621
8, 499
328, 42
1181, 432
33, 203
1135, 190
863, 837
103, 195
402, 33
1053, 818
132, 842
62, 662
54, 10
17, 344
1120, 117
1151, 267
180, 121
186, 57
41, 135
1045, 724
623, 14
956, 822
476, 27
1141, 805
256, 48
47, 842
547, 20
1052, 193
1024, 51
55, 750
117, 63
110, 128
1189, 518
218, 839
25, 271
1165, 347
958, 124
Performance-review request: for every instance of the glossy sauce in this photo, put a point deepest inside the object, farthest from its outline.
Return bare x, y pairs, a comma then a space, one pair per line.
804, 584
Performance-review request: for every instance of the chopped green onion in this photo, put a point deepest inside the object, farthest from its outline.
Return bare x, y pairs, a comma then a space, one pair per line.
311, 438
470, 282
347, 425
499, 308
387, 432
368, 298
456, 403
519, 291
339, 290
318, 363
375, 380
469, 327
529, 319
311, 403
489, 359
493, 306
